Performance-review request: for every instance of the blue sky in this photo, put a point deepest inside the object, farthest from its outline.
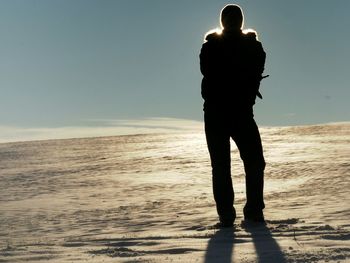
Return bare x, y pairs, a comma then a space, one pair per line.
76, 62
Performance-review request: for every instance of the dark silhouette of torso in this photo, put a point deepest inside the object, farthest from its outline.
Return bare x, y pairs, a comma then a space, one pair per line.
231, 64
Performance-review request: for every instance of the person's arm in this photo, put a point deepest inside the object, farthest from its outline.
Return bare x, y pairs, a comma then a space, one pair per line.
261, 57
208, 58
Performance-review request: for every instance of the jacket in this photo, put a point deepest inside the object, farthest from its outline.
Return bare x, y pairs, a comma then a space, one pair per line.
232, 64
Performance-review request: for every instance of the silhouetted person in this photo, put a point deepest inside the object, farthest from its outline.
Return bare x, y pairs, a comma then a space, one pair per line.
232, 63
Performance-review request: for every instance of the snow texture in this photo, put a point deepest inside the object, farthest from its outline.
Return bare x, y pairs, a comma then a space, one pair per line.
148, 198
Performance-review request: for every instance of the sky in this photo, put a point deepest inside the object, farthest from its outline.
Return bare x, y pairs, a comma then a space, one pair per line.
84, 63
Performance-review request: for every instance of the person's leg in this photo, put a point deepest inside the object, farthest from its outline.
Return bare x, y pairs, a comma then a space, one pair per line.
218, 140
247, 137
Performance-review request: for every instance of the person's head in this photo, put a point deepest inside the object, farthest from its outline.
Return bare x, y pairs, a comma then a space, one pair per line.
232, 18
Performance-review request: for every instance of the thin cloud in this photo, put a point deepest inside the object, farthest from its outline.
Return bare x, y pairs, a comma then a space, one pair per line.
100, 128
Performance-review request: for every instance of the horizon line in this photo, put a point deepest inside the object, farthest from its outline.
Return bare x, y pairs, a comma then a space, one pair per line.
120, 127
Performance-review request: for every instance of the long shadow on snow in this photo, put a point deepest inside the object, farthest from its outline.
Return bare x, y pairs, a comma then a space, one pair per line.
221, 245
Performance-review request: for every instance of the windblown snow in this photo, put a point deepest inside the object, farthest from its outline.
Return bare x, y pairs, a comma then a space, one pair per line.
148, 198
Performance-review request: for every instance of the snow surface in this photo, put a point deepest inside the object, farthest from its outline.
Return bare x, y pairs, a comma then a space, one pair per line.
148, 198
